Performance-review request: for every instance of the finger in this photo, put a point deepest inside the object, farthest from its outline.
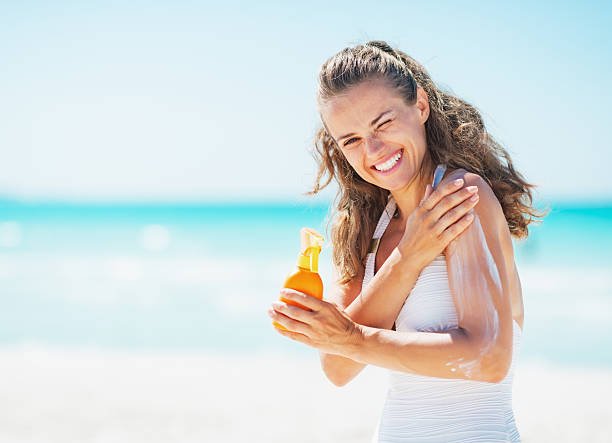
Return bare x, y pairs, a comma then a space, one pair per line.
440, 192
295, 336
293, 312
456, 229
455, 214
289, 323
451, 201
303, 299
450, 248
428, 191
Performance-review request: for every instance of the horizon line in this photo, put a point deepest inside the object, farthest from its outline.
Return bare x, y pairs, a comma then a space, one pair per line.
565, 200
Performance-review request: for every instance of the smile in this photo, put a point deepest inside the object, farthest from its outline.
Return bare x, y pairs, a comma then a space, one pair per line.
390, 164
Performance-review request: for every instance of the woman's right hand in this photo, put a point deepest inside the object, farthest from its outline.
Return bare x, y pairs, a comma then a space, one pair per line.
441, 216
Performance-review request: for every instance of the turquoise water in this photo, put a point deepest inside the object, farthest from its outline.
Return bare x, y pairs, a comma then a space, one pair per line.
202, 277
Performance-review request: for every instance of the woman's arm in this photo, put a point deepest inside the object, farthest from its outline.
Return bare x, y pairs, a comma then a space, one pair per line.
367, 309
479, 349
380, 302
338, 369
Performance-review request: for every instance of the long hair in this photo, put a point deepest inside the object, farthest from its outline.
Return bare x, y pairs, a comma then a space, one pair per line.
456, 136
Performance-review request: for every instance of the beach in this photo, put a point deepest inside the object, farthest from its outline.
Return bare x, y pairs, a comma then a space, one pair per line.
70, 395
148, 324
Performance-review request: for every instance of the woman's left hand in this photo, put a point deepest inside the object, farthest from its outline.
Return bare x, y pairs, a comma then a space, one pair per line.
327, 327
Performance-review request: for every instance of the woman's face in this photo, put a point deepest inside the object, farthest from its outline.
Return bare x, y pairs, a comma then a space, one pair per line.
381, 136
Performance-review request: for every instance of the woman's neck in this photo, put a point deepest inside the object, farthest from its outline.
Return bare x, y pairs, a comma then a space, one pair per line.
408, 198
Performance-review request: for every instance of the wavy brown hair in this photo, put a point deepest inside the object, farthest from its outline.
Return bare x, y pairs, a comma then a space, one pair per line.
456, 136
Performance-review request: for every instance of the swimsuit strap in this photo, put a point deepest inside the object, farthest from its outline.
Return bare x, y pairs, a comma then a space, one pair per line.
383, 222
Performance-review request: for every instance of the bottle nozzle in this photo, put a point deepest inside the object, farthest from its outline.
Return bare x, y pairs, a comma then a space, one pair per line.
312, 242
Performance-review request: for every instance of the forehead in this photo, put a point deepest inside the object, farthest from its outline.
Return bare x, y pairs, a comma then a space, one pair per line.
358, 105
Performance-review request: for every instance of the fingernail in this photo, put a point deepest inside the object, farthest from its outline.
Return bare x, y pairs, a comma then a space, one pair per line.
458, 182
472, 189
474, 197
469, 217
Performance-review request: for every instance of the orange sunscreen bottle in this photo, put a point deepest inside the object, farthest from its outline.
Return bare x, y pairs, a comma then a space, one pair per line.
305, 277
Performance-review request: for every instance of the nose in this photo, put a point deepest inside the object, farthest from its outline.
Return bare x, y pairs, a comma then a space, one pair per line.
373, 145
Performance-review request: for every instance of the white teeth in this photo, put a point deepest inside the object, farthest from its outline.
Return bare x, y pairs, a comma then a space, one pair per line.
389, 163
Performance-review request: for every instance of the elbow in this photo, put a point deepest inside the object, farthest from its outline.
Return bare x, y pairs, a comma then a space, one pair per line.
334, 371
496, 365
336, 380
492, 355
496, 377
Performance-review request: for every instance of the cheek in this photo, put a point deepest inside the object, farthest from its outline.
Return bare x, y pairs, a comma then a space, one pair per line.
412, 133
355, 160
352, 157
422, 140
416, 144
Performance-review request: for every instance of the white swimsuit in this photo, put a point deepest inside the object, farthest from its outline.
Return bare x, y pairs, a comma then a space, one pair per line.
429, 409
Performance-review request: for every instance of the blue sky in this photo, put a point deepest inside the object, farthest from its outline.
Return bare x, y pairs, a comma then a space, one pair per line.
193, 100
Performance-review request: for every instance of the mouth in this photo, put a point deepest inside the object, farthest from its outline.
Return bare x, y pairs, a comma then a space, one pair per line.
390, 164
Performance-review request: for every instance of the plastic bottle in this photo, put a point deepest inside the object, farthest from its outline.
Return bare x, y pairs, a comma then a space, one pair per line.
305, 277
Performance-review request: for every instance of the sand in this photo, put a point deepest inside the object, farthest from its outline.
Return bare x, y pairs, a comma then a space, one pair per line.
55, 395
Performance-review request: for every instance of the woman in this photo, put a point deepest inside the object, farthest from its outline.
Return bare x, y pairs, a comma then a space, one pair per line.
425, 281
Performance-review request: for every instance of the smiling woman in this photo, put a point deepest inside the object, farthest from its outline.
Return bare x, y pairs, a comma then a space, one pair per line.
425, 283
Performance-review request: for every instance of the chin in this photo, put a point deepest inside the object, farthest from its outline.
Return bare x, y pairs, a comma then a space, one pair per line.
397, 183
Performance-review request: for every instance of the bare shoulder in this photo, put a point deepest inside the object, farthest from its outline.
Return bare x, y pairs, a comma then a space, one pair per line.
488, 209
343, 294
491, 220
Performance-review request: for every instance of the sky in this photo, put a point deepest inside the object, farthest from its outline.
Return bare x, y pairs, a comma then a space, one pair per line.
198, 101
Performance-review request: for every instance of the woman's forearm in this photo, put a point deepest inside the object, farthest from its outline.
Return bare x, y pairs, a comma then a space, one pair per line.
451, 354
377, 306
382, 299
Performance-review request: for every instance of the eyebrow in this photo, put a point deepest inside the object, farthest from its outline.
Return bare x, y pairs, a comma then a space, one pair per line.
372, 123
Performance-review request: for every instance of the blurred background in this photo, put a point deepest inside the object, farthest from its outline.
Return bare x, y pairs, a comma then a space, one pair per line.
154, 157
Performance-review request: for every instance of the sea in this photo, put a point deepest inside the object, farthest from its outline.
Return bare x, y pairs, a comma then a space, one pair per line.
200, 277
